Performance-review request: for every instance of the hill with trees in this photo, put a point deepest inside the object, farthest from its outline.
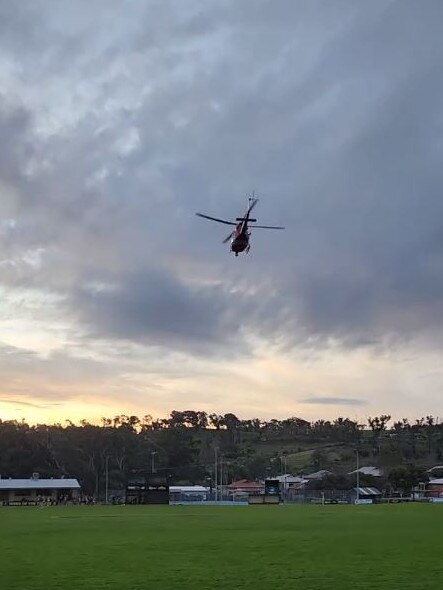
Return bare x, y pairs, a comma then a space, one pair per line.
182, 448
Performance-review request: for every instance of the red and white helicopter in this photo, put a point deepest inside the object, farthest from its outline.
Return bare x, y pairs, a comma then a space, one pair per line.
240, 235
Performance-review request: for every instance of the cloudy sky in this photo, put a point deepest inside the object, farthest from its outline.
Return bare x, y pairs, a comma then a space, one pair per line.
118, 121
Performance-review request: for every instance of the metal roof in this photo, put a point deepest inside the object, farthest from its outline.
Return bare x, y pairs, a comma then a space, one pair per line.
245, 484
38, 484
438, 481
288, 478
369, 470
318, 474
368, 492
189, 489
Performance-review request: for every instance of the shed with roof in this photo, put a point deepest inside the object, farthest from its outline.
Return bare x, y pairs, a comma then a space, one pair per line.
434, 488
368, 494
245, 487
188, 493
35, 490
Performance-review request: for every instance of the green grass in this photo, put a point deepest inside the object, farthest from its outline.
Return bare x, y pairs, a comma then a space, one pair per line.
301, 460
192, 547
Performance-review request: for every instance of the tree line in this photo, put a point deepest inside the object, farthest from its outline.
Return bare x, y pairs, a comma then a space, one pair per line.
181, 447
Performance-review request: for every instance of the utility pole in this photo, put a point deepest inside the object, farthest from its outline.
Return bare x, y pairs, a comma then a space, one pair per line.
221, 478
106, 478
216, 473
283, 460
285, 483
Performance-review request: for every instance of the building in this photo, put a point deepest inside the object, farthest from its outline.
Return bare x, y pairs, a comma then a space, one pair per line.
434, 489
290, 482
140, 490
365, 495
244, 487
289, 479
35, 490
369, 470
188, 493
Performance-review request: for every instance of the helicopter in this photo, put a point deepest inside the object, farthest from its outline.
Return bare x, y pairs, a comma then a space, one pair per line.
240, 235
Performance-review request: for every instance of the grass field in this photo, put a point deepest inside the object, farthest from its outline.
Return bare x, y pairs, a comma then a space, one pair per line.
183, 547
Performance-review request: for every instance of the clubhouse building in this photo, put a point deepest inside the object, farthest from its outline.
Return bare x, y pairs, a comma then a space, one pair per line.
25, 492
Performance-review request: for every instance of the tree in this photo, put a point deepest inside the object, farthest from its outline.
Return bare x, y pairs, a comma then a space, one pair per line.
184, 445
318, 459
321, 429
216, 421
405, 477
346, 430
295, 427
255, 467
331, 482
232, 425
430, 432
179, 450
378, 425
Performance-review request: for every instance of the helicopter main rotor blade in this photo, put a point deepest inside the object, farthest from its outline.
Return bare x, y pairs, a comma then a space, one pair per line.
229, 237
252, 205
266, 226
216, 219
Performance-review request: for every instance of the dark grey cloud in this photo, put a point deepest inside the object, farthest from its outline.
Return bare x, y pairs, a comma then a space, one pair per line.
17, 402
331, 111
157, 308
334, 401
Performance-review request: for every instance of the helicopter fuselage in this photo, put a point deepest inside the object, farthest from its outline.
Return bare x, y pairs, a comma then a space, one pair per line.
240, 239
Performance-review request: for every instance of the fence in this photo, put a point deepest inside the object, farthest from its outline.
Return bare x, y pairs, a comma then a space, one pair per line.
209, 499
318, 497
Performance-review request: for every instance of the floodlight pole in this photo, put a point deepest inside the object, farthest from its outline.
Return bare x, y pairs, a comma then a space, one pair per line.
221, 478
358, 476
153, 453
284, 469
216, 473
106, 478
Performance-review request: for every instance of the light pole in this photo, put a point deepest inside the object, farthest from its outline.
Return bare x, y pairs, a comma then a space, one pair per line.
216, 473
209, 481
153, 453
221, 478
284, 469
283, 462
106, 478
358, 476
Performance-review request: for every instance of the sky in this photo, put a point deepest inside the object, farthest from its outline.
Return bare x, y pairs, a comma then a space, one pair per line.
119, 121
